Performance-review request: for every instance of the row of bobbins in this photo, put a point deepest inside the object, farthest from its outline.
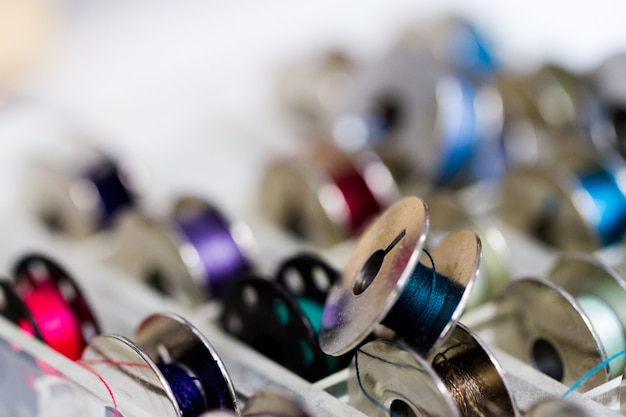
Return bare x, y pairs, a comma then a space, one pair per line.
431, 365
184, 374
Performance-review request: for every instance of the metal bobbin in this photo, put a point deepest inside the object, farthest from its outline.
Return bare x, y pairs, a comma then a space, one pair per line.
271, 403
35, 272
312, 88
566, 325
553, 205
189, 268
265, 316
555, 408
326, 196
447, 213
389, 376
605, 111
82, 196
132, 367
362, 300
427, 121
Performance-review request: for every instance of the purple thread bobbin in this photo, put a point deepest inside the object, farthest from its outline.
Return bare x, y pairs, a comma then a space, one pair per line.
206, 229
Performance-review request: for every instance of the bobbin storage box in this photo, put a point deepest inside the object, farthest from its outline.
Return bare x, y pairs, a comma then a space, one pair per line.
141, 111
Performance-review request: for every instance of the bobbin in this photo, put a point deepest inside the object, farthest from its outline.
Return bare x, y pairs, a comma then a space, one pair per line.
389, 376
326, 196
311, 88
135, 367
568, 324
272, 403
605, 110
307, 275
372, 285
577, 208
447, 213
192, 257
34, 273
267, 317
424, 119
82, 195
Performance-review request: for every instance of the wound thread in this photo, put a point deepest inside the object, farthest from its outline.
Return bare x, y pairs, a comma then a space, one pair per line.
188, 395
424, 307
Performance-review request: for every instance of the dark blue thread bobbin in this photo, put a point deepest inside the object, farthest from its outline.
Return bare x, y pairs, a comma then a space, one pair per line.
114, 195
188, 396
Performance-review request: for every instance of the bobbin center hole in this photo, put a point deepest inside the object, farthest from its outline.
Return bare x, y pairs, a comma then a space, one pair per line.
546, 358
400, 408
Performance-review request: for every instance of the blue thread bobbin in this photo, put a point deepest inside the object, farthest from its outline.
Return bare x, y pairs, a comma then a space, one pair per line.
383, 283
85, 198
572, 210
171, 370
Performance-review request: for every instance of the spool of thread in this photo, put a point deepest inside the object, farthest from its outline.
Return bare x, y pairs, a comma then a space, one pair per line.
284, 328
325, 195
581, 292
172, 368
44, 301
568, 210
83, 200
206, 229
425, 119
385, 282
459, 378
192, 257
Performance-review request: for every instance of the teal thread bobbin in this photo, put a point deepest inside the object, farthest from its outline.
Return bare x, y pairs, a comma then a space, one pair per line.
389, 279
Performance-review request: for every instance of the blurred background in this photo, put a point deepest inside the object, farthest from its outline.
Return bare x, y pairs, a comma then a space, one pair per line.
189, 87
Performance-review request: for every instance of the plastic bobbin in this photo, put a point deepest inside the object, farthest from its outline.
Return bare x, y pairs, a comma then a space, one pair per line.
192, 257
380, 268
458, 378
326, 196
425, 120
266, 317
81, 199
13, 309
581, 293
307, 275
134, 368
272, 403
447, 213
583, 208
49, 298
555, 408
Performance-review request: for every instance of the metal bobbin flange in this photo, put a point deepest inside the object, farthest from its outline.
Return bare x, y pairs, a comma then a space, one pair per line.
364, 297
390, 376
160, 337
162, 254
326, 196
447, 213
544, 325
